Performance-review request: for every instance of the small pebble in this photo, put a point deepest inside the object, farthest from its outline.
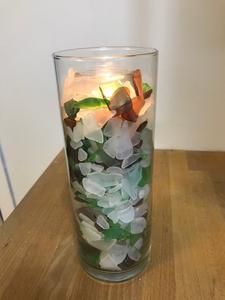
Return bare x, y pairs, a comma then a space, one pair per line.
138, 225
134, 254
101, 221
82, 155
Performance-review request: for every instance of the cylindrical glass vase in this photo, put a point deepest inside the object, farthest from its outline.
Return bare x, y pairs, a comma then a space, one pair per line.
107, 101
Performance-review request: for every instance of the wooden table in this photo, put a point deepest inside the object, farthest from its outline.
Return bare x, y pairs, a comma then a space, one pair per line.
38, 259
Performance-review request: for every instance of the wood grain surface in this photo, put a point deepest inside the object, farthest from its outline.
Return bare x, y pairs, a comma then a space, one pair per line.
38, 258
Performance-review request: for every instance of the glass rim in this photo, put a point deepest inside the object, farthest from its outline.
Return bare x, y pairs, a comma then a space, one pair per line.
122, 52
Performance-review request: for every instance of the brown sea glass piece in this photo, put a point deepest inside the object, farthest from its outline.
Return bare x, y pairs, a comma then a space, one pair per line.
137, 81
70, 122
147, 94
142, 126
122, 103
119, 98
129, 114
137, 102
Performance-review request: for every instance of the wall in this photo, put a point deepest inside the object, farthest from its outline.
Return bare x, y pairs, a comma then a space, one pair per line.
6, 202
191, 92
189, 34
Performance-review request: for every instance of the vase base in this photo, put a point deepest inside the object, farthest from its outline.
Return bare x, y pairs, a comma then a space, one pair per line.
116, 276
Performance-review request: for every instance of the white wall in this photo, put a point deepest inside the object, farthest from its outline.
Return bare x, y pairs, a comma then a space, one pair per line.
6, 201
189, 34
191, 88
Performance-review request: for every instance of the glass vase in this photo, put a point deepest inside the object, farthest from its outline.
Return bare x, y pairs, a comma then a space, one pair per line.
107, 102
